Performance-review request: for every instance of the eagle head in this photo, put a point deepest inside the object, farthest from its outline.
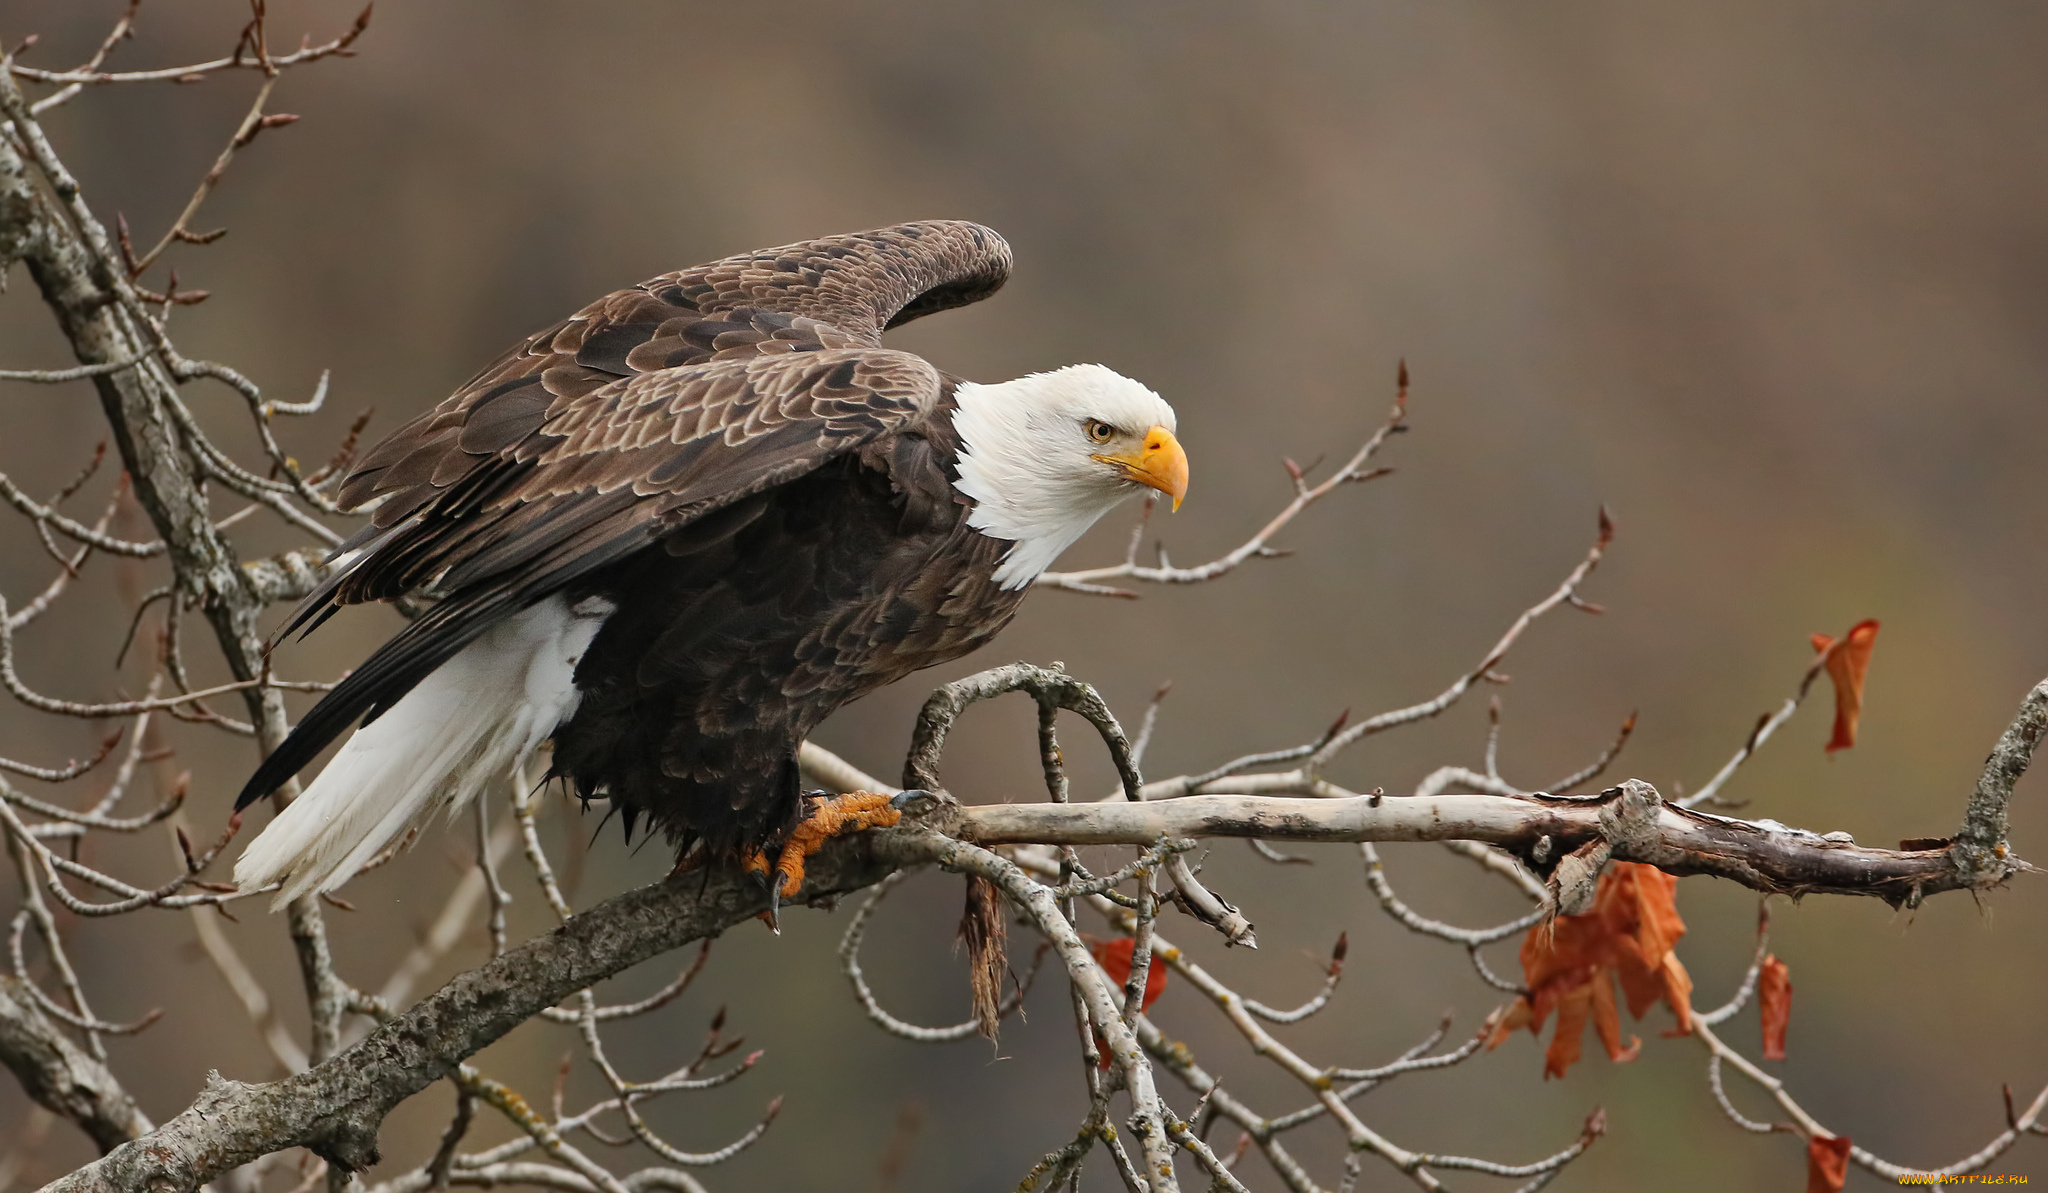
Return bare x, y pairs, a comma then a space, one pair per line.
1043, 457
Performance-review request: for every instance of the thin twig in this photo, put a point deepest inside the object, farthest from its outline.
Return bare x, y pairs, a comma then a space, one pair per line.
90, 76
1094, 580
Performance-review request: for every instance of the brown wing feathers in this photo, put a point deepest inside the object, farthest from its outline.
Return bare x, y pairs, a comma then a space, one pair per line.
650, 407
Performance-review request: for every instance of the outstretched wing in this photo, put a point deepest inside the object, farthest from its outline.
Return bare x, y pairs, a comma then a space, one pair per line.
835, 292
594, 479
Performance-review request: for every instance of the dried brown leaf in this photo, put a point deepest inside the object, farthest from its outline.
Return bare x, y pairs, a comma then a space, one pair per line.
1774, 999
1571, 964
1847, 662
1827, 1164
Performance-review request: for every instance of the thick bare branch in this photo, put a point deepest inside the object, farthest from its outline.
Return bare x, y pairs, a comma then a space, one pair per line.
335, 1107
1762, 855
62, 1076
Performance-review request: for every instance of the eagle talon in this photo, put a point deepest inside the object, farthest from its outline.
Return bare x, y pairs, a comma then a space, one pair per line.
755, 864
824, 817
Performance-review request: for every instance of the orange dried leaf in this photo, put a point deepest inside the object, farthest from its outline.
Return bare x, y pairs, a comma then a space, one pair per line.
1638, 906
1520, 1014
1572, 1012
1571, 964
1774, 999
1115, 958
1847, 663
1607, 1021
1677, 994
1827, 1164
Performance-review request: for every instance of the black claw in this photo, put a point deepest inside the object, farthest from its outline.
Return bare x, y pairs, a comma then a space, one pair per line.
901, 799
772, 880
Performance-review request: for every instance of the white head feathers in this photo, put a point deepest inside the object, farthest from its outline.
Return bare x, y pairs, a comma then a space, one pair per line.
1038, 455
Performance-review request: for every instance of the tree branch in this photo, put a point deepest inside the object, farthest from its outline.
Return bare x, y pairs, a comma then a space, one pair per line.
1980, 848
1761, 855
81, 279
335, 1107
62, 1076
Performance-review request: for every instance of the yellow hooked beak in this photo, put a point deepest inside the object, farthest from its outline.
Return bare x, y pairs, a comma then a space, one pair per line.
1160, 464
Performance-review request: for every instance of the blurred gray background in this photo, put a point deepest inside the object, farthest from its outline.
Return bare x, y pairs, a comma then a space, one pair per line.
1769, 280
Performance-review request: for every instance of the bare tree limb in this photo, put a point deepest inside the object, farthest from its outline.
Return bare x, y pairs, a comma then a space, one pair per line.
73, 261
335, 1107
1762, 855
62, 1076
90, 75
1980, 848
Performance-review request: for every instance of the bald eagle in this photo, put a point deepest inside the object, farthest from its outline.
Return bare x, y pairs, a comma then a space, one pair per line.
677, 530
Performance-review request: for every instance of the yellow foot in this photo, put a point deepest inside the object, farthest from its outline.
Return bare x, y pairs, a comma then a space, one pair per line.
825, 817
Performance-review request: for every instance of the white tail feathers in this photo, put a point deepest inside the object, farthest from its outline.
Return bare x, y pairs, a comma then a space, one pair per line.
462, 728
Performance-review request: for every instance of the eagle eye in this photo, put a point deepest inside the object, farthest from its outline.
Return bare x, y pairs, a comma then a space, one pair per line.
1099, 431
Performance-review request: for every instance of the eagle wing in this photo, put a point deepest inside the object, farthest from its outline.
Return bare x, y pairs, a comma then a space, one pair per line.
593, 439
834, 292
